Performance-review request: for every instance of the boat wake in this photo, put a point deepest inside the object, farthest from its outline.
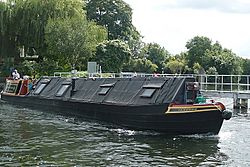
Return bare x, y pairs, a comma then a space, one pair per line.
202, 136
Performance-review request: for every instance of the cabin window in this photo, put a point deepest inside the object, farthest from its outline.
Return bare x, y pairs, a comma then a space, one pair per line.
40, 88
11, 87
149, 89
62, 90
105, 88
148, 92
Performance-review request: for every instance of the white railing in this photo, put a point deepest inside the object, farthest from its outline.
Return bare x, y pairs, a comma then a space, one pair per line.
218, 83
70, 74
115, 75
224, 83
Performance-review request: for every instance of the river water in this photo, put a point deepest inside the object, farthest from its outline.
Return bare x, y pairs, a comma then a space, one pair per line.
35, 138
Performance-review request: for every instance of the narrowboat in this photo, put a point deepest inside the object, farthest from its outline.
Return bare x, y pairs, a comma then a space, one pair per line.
171, 105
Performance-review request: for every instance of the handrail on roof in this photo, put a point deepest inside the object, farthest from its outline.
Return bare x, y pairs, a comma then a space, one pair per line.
117, 75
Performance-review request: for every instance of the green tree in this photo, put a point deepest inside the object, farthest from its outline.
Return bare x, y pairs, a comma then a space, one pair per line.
135, 43
23, 24
156, 54
197, 48
197, 68
28, 68
142, 65
112, 55
73, 41
48, 67
212, 71
8, 51
177, 65
246, 66
225, 61
115, 15
31, 17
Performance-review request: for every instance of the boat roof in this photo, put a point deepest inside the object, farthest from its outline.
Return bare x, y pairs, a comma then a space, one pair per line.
120, 91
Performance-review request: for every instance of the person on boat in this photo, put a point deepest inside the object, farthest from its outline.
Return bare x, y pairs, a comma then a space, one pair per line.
30, 85
15, 74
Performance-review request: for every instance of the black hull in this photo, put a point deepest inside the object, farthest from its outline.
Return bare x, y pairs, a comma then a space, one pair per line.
147, 117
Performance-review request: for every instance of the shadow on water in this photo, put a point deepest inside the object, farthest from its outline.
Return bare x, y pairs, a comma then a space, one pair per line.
34, 138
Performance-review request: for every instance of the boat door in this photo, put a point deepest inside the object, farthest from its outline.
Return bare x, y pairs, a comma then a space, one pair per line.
192, 89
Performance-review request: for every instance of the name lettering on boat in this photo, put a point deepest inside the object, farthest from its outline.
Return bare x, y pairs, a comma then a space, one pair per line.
185, 109
190, 109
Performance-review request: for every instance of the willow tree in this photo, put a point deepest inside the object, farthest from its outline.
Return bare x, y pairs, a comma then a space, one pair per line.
72, 41
31, 17
23, 24
7, 40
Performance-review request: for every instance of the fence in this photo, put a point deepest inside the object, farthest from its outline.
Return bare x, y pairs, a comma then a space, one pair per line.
218, 83
224, 83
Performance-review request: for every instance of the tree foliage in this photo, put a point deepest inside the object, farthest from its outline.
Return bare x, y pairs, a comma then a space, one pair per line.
31, 17
221, 60
197, 47
115, 15
197, 68
212, 71
142, 65
8, 51
177, 65
112, 55
224, 60
73, 41
212, 57
61, 33
245, 66
156, 54
23, 24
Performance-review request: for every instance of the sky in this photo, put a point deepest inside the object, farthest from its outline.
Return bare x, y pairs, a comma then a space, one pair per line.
171, 23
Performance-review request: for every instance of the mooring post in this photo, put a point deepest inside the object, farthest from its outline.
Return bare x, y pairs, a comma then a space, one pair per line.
244, 103
236, 104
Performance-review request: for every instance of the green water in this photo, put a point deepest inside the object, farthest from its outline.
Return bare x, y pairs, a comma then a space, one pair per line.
35, 138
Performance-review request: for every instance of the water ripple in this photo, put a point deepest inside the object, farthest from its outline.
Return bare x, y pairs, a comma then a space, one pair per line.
34, 138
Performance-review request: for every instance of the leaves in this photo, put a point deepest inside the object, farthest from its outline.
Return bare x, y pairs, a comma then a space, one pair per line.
115, 15
156, 54
73, 41
112, 55
176, 65
212, 57
197, 47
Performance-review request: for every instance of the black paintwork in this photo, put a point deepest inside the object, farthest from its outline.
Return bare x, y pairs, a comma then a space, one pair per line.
143, 117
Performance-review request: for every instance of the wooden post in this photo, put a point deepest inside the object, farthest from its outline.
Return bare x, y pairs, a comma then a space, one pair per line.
236, 104
244, 103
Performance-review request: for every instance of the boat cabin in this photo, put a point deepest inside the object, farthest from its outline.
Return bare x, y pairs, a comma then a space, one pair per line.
17, 87
120, 91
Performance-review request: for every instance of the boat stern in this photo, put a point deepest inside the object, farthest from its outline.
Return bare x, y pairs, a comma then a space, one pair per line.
226, 114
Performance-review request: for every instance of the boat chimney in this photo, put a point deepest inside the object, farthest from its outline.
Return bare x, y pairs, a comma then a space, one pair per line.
73, 85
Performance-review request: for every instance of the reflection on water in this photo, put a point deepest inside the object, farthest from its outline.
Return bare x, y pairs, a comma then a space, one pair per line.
34, 138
